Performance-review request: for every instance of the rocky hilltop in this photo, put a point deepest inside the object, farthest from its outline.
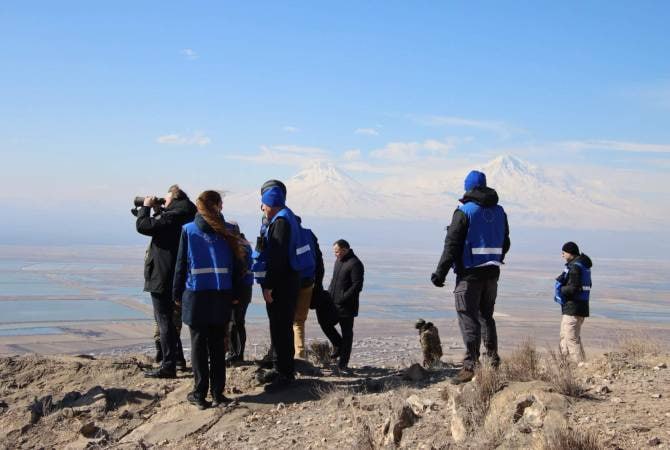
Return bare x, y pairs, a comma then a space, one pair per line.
619, 400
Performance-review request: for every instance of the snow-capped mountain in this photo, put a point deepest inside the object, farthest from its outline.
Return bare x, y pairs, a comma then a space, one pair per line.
532, 196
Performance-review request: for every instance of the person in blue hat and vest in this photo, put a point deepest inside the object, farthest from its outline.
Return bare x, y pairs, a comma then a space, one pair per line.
475, 247
210, 269
280, 280
573, 290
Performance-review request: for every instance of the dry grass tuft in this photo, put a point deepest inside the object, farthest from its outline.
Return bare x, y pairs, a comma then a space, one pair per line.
364, 438
561, 375
567, 439
637, 347
476, 396
319, 352
524, 364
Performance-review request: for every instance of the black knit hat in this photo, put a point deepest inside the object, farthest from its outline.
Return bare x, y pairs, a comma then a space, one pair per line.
273, 183
571, 247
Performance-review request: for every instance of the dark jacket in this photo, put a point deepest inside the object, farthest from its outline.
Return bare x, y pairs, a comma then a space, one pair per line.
164, 229
573, 286
209, 307
452, 255
279, 273
346, 284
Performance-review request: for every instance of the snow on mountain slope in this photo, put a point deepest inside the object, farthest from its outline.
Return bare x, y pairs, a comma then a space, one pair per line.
531, 196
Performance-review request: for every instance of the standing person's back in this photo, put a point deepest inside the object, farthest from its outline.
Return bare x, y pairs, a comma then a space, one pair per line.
475, 247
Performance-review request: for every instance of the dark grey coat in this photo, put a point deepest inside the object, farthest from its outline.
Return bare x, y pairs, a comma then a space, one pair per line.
347, 284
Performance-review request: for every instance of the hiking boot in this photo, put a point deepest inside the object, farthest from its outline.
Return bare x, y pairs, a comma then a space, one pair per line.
280, 383
161, 372
197, 400
159, 352
463, 376
220, 399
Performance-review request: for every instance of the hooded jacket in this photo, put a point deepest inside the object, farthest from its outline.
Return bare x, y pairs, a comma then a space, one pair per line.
164, 229
573, 286
452, 254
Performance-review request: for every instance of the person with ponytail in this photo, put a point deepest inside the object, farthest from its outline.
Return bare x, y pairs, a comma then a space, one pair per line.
208, 277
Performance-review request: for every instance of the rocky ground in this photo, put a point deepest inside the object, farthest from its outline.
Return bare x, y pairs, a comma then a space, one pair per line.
620, 400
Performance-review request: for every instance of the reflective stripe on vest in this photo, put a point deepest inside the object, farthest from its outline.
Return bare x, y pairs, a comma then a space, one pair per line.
486, 251
209, 270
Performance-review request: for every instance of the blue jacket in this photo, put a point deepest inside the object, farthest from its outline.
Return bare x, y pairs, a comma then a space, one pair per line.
207, 276
573, 287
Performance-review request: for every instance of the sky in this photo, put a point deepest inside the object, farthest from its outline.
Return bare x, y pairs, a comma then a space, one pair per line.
100, 101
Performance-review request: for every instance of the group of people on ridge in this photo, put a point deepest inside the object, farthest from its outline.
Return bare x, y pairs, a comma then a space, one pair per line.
200, 269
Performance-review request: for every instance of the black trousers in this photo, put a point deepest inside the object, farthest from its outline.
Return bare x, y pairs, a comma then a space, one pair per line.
238, 330
475, 302
281, 313
163, 313
208, 358
344, 341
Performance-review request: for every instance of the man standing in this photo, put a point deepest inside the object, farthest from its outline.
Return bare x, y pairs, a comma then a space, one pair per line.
345, 287
281, 283
573, 290
476, 243
159, 265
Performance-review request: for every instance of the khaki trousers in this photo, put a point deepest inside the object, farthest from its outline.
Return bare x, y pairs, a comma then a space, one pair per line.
571, 341
301, 311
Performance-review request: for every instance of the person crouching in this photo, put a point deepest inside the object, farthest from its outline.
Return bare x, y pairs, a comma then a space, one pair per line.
207, 278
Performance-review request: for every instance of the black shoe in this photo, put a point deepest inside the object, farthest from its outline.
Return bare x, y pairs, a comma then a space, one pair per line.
220, 400
278, 384
159, 352
161, 372
195, 399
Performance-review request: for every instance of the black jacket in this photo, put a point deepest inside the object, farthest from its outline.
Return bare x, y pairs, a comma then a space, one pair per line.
279, 273
573, 286
210, 307
455, 240
164, 229
346, 284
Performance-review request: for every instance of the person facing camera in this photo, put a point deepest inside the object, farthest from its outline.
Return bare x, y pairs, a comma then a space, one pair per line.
208, 278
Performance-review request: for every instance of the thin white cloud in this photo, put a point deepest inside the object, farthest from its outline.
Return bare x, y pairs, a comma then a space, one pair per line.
367, 131
621, 146
197, 138
411, 151
189, 54
352, 155
287, 155
500, 128
290, 129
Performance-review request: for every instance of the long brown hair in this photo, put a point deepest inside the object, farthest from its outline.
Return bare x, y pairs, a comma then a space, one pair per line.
207, 204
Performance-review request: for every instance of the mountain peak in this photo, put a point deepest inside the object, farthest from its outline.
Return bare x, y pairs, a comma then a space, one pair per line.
509, 164
322, 172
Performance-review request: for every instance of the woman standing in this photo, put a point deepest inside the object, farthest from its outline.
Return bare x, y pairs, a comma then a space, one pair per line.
207, 279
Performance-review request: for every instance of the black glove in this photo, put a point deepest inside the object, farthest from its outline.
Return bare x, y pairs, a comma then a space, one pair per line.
436, 280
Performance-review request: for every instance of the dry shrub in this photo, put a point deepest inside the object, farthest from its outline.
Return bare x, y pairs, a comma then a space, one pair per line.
561, 375
523, 364
476, 396
564, 438
332, 394
320, 352
636, 347
364, 439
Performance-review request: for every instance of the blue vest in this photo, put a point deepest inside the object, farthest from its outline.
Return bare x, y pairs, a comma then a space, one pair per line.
310, 270
486, 235
210, 261
248, 275
584, 295
259, 256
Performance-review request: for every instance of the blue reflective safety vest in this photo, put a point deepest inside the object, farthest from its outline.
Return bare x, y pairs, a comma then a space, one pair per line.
584, 295
485, 237
210, 261
259, 257
248, 279
310, 270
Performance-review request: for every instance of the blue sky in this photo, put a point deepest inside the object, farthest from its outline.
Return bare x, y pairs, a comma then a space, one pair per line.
104, 99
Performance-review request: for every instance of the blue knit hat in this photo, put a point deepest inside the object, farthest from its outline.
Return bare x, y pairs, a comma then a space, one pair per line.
474, 179
274, 197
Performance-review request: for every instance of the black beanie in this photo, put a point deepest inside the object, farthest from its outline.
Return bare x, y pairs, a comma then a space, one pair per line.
571, 247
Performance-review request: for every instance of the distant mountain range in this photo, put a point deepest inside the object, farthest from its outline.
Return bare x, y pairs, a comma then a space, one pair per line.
531, 196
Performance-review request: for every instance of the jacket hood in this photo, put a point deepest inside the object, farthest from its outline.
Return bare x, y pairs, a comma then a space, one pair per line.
584, 260
483, 196
183, 207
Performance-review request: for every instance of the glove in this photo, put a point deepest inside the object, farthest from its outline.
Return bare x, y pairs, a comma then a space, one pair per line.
436, 280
